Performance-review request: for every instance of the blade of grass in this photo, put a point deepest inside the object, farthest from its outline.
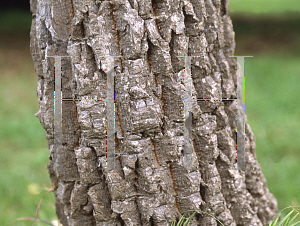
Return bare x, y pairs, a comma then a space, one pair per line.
295, 223
182, 218
39, 205
286, 218
189, 219
275, 222
291, 220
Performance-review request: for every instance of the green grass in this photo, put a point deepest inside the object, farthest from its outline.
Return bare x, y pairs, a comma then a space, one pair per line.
15, 20
272, 107
264, 7
23, 152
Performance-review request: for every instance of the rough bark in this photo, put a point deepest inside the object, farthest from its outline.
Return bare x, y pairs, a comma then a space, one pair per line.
154, 185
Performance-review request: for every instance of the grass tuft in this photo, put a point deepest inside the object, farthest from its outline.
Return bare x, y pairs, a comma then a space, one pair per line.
286, 221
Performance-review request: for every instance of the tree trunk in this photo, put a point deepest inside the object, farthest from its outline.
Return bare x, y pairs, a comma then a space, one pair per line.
151, 181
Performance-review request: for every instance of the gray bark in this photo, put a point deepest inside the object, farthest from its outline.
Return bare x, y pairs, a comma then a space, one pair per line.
154, 185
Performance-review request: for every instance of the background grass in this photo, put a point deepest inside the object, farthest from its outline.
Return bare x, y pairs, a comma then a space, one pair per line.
272, 106
264, 7
23, 146
15, 20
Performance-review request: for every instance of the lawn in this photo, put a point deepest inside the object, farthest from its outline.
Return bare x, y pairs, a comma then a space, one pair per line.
272, 107
23, 150
264, 7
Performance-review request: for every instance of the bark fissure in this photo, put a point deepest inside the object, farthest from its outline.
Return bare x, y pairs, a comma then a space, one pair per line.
119, 119
106, 187
119, 218
117, 34
155, 152
154, 9
174, 189
224, 7
151, 222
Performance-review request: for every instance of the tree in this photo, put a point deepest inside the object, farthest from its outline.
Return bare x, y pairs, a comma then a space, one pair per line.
159, 170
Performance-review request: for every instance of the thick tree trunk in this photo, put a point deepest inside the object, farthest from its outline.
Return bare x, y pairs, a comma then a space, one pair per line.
150, 183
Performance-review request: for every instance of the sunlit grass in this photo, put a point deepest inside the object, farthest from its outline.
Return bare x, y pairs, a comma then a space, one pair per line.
23, 152
23, 176
267, 7
272, 107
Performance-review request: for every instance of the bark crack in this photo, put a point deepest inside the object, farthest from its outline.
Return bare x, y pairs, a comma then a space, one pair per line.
119, 118
154, 10
105, 185
119, 218
117, 33
174, 189
155, 151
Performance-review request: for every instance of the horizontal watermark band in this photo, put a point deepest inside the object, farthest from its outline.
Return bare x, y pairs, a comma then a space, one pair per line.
188, 103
